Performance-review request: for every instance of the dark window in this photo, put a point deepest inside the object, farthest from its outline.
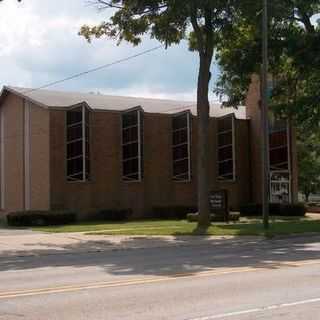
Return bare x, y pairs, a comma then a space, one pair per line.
181, 146
132, 145
226, 157
78, 151
74, 116
278, 142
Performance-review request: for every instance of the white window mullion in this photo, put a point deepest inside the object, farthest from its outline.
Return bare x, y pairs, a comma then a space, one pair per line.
180, 129
226, 146
220, 146
181, 144
181, 159
130, 127
80, 153
225, 131
186, 142
73, 141
74, 125
130, 159
136, 126
131, 142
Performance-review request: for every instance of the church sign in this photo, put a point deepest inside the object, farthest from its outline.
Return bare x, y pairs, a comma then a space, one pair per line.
219, 203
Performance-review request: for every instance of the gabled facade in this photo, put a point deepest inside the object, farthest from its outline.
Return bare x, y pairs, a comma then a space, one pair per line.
86, 152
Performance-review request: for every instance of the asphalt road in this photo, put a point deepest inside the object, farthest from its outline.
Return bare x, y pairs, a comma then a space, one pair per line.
263, 279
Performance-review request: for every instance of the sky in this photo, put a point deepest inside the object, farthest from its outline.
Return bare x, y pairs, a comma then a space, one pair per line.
39, 44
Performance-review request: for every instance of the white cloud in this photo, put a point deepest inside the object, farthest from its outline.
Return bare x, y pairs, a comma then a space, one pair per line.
39, 43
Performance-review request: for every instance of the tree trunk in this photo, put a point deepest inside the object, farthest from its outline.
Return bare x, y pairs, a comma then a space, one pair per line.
306, 195
203, 108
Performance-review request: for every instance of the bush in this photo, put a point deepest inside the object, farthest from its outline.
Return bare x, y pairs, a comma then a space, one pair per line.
114, 214
40, 218
275, 209
173, 212
250, 209
193, 217
294, 210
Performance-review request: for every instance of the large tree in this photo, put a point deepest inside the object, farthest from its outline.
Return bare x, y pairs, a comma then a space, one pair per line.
202, 22
294, 38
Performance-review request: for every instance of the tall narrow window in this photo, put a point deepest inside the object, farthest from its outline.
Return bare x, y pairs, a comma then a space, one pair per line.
278, 141
78, 151
280, 177
181, 144
132, 145
226, 154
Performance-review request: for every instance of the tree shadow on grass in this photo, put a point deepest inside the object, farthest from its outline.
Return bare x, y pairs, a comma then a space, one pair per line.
198, 231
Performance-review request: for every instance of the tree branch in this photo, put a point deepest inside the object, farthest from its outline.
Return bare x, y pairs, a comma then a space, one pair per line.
108, 4
209, 32
197, 29
305, 19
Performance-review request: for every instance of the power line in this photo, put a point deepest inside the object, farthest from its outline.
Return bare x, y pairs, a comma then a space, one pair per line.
104, 67
94, 69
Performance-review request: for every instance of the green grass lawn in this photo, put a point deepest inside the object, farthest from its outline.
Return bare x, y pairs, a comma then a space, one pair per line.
182, 227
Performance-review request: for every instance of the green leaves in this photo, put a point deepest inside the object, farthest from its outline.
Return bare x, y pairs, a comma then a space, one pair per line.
163, 20
168, 21
294, 46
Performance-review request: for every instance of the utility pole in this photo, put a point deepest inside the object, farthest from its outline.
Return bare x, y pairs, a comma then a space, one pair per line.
264, 117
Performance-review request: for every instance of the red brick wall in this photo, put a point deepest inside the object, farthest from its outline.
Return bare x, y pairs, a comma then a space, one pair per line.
106, 188
254, 113
13, 136
26, 155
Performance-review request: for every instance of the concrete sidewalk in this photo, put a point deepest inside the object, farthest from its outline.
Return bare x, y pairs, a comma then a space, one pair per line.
29, 243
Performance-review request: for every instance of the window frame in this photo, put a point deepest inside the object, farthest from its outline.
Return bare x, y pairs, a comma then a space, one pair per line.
189, 142
139, 141
85, 122
274, 170
286, 129
233, 144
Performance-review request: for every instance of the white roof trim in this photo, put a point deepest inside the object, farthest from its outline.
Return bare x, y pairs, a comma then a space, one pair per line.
61, 100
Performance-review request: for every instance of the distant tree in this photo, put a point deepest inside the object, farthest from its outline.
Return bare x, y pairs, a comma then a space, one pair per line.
202, 23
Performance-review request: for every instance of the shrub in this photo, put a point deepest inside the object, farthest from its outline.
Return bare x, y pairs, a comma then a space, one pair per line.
294, 210
115, 214
234, 216
173, 212
275, 209
250, 209
31, 218
193, 217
